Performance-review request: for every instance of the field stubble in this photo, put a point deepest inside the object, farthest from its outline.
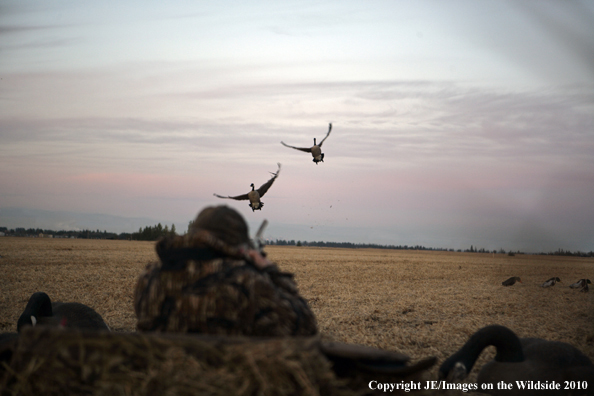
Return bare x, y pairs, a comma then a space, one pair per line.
421, 303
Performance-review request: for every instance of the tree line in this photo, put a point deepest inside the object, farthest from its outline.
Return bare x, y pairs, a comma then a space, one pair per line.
282, 242
149, 233
153, 233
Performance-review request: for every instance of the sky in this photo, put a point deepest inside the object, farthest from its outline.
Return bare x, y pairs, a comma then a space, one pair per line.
455, 123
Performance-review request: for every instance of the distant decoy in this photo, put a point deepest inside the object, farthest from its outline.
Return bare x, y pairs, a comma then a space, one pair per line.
580, 284
41, 311
315, 150
583, 283
511, 281
255, 195
550, 282
526, 359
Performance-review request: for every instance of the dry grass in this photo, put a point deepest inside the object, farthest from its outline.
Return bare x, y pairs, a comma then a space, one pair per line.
98, 273
105, 364
419, 303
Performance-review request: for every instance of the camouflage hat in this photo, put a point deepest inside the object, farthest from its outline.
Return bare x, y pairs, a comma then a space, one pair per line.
224, 223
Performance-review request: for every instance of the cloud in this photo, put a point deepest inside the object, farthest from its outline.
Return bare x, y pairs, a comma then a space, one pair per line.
9, 29
568, 24
431, 163
428, 121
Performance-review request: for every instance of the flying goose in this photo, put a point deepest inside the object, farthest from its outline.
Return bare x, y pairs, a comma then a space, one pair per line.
40, 310
511, 281
581, 283
255, 195
526, 359
551, 282
315, 150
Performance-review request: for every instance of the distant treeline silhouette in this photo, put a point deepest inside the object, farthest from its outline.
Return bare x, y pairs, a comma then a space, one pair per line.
282, 242
153, 233
149, 233
472, 249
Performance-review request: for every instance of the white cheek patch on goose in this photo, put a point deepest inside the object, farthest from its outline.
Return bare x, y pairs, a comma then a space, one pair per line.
33, 320
458, 373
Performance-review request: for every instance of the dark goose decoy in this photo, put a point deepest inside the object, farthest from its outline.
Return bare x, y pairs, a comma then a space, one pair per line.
585, 287
41, 311
551, 282
255, 195
580, 284
526, 359
511, 281
315, 150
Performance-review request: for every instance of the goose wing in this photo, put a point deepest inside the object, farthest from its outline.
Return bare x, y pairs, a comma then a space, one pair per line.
328, 134
238, 197
306, 149
264, 187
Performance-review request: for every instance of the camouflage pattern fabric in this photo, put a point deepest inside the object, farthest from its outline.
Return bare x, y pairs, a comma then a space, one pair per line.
203, 285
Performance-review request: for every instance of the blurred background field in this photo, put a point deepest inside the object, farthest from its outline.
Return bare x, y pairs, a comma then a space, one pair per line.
421, 303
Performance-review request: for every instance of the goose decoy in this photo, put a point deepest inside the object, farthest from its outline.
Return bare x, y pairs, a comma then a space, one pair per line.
358, 363
315, 150
511, 281
40, 310
584, 284
580, 284
522, 360
255, 195
551, 282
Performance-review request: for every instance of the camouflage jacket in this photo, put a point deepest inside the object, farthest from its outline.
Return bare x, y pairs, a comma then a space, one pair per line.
202, 285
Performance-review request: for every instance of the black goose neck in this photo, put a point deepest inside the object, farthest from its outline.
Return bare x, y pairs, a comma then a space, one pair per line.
509, 348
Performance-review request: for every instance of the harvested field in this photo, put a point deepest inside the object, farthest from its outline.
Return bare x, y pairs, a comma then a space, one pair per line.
419, 303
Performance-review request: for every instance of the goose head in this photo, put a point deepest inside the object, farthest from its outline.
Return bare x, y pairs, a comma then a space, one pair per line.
252, 186
39, 305
315, 144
